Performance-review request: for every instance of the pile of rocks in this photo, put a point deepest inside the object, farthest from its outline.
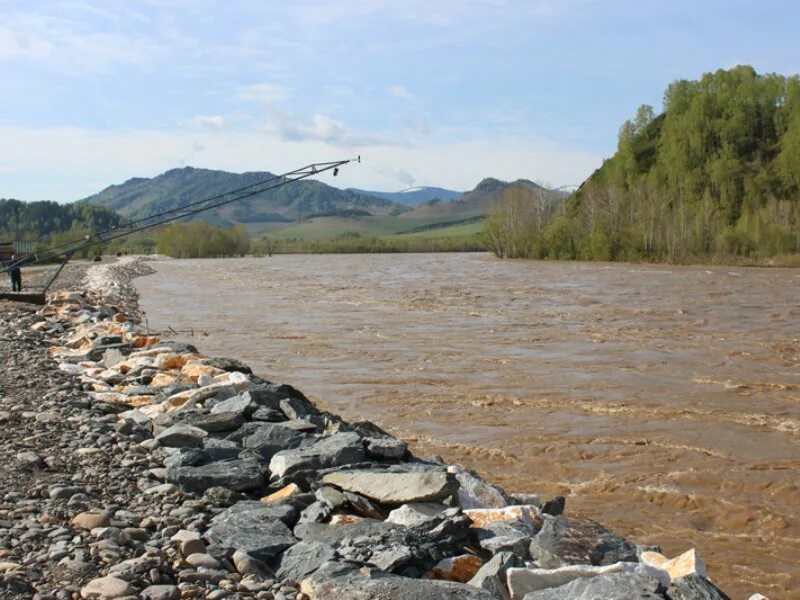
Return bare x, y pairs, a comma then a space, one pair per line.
216, 483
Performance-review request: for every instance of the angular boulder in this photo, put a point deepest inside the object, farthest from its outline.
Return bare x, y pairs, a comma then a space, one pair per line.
563, 541
333, 451
475, 492
215, 422
257, 529
695, 587
492, 575
302, 559
688, 563
271, 438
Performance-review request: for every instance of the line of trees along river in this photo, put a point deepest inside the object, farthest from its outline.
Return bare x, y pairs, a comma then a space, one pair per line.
716, 175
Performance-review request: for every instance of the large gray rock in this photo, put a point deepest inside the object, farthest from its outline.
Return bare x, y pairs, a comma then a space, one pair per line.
515, 537
242, 404
334, 580
298, 408
255, 528
695, 587
333, 451
618, 586
563, 541
181, 436
394, 488
271, 438
385, 448
492, 575
475, 492
216, 422
227, 364
237, 475
302, 559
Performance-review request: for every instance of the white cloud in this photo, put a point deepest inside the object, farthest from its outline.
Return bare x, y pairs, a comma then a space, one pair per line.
215, 122
266, 93
399, 91
404, 177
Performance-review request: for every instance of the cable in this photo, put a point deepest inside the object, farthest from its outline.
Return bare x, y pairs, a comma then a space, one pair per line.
164, 217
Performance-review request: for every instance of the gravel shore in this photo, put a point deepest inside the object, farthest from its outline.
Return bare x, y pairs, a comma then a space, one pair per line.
136, 467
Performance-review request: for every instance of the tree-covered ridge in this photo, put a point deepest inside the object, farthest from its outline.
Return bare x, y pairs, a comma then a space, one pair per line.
35, 220
717, 173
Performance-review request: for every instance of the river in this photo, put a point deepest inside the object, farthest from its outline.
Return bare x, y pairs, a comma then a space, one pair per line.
663, 401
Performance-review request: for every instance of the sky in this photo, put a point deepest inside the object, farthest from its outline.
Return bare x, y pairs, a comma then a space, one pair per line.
427, 92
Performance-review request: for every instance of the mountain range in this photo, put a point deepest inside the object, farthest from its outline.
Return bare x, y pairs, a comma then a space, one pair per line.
412, 196
305, 207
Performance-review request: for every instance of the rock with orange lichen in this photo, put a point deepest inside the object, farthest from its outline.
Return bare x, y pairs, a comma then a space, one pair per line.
286, 492
194, 369
481, 517
344, 519
460, 568
688, 563
162, 379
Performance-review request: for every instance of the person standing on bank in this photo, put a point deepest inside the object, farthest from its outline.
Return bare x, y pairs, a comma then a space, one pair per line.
16, 275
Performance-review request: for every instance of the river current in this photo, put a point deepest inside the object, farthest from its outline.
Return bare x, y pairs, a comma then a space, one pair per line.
663, 401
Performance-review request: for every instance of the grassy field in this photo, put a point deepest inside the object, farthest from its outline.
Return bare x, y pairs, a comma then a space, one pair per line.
325, 228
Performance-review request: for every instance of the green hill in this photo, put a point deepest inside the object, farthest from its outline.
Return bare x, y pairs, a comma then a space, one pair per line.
141, 197
716, 174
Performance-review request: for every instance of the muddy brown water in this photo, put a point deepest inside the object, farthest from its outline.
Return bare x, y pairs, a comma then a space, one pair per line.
663, 401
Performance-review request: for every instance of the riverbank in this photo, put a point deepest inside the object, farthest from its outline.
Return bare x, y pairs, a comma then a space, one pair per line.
171, 474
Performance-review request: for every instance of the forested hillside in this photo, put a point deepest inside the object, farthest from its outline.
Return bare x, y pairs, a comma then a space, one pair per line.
141, 197
34, 220
716, 174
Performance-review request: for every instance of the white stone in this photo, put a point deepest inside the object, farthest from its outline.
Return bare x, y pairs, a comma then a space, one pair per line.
415, 513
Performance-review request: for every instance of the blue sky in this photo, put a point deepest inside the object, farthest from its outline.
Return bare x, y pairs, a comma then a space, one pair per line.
429, 92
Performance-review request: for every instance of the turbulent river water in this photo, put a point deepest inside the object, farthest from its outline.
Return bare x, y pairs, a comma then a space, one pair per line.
663, 401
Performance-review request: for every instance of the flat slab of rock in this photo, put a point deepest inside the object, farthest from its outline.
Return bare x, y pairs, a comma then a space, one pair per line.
237, 475
181, 436
333, 451
216, 422
393, 488
523, 581
618, 586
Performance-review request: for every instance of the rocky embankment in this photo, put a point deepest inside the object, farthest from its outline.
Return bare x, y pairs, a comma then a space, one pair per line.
136, 467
